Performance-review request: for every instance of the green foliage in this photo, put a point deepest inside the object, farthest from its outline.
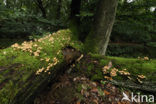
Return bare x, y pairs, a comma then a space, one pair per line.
134, 22
152, 44
128, 50
25, 26
131, 49
23, 18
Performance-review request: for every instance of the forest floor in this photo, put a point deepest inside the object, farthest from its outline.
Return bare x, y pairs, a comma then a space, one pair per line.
75, 89
80, 86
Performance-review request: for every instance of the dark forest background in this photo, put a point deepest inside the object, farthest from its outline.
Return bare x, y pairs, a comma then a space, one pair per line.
133, 34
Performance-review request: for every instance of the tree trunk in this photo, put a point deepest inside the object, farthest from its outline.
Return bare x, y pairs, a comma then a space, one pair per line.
75, 8
97, 40
74, 19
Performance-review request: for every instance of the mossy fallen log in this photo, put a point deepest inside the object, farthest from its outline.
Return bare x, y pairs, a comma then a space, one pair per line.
146, 86
26, 69
132, 73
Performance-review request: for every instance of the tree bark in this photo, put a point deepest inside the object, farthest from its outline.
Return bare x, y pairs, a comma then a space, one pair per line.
74, 19
75, 8
97, 40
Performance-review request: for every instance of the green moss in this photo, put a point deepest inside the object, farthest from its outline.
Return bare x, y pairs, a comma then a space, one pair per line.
133, 65
79, 87
97, 77
74, 29
77, 45
104, 62
90, 44
96, 56
90, 67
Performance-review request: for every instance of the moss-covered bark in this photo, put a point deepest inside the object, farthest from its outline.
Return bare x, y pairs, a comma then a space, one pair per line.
98, 38
26, 69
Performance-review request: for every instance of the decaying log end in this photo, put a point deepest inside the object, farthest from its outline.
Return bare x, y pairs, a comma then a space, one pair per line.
70, 54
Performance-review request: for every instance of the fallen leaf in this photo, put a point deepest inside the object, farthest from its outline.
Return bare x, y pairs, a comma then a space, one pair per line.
86, 94
84, 86
78, 102
106, 92
94, 84
82, 92
95, 101
95, 90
